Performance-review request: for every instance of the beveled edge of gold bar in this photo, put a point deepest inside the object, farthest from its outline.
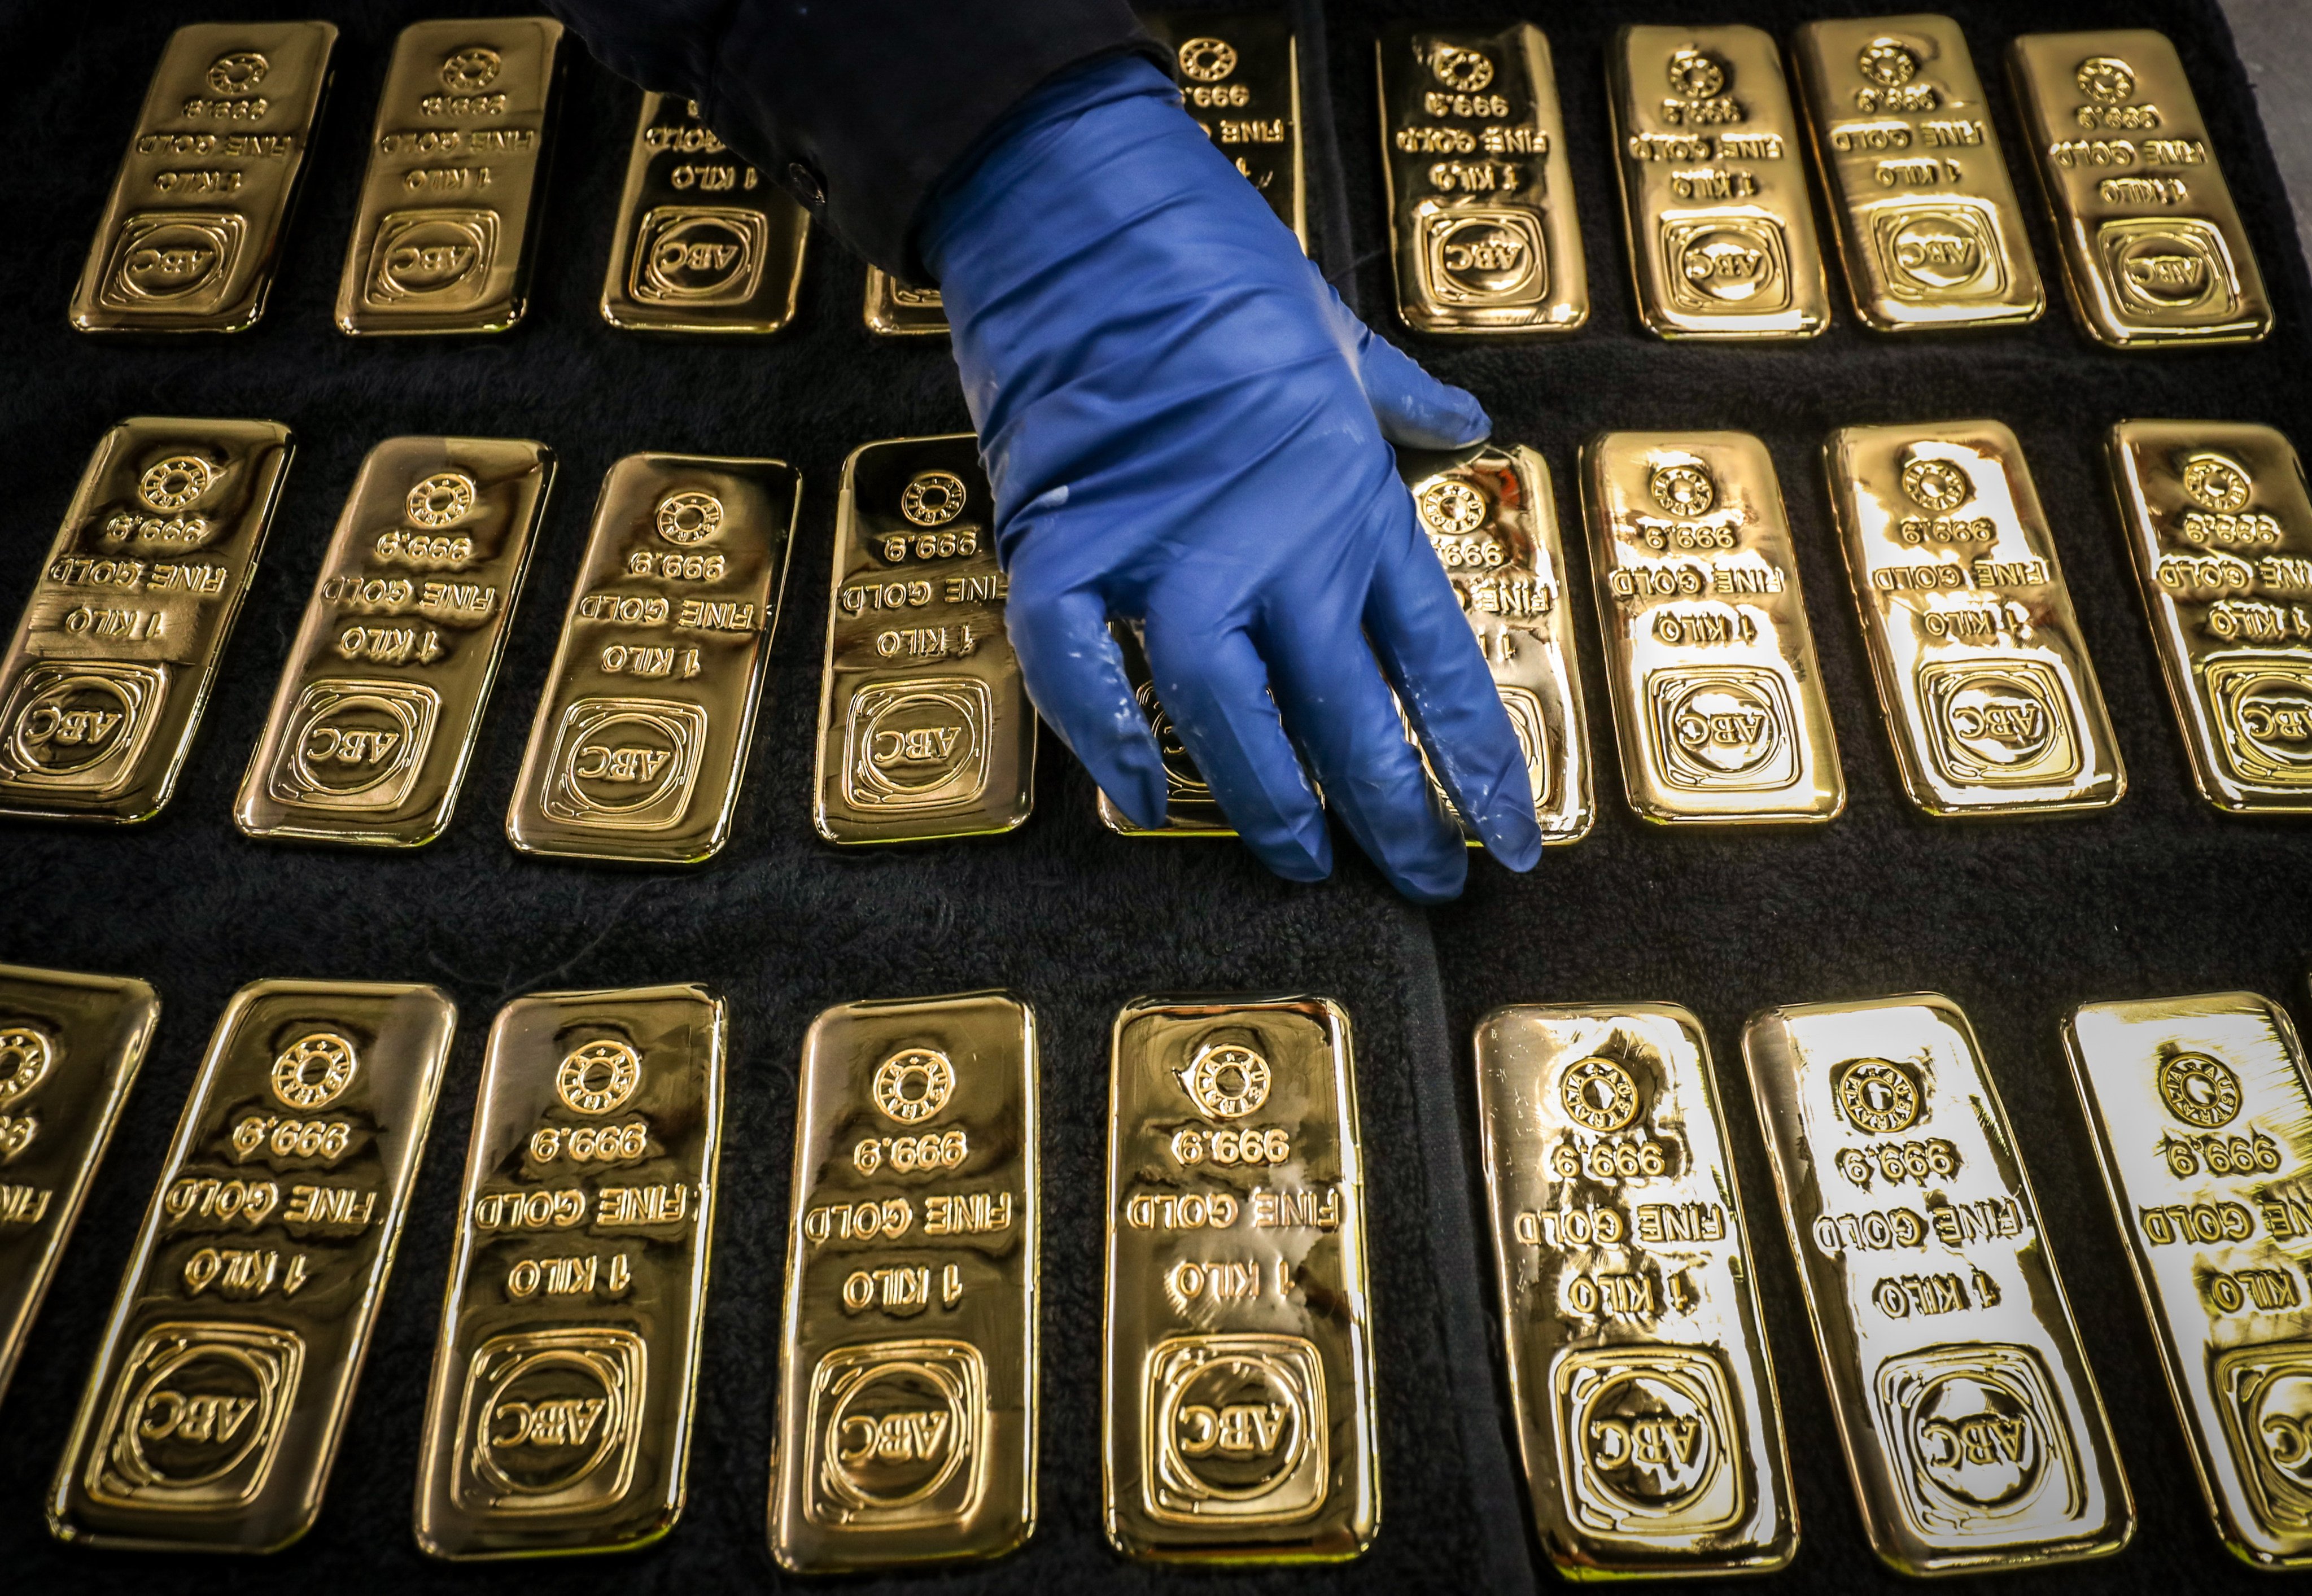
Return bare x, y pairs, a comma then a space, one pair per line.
886, 318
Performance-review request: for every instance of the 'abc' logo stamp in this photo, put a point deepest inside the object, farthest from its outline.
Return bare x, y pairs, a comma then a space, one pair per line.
550, 1421
896, 1436
355, 745
917, 746
79, 726
1483, 257
1720, 728
627, 764
196, 1417
1998, 723
173, 260
699, 255
1647, 1440
433, 260
1977, 1446
1234, 1430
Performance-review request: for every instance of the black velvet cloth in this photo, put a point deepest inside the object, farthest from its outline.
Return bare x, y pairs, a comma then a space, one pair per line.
2018, 922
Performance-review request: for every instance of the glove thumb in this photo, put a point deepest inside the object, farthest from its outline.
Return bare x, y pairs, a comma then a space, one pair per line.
1414, 408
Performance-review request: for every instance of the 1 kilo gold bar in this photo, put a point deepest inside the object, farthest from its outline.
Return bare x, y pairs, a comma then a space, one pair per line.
1982, 675
212, 1414
1974, 1432
1928, 224
1190, 809
2153, 245
908, 1362
640, 737
1644, 1401
558, 1419
192, 231
1239, 1422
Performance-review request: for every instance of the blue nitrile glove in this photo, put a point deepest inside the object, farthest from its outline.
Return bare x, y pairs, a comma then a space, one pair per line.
1185, 425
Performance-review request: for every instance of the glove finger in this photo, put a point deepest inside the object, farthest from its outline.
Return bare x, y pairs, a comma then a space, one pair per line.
1414, 408
1074, 673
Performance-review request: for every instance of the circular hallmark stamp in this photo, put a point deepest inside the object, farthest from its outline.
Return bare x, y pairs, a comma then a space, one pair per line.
2106, 79
1226, 1080
1888, 63
174, 483
1466, 70
934, 498
1207, 60
314, 1071
1936, 484
1599, 1093
2198, 1090
689, 517
914, 1084
1682, 489
1878, 1097
1696, 74
25, 1054
599, 1076
2216, 482
238, 73
442, 500
1451, 507
471, 70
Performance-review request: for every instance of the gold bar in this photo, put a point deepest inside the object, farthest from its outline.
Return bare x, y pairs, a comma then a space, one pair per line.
1717, 701
192, 231
1481, 219
448, 222
374, 720
2153, 245
1982, 675
212, 1414
1722, 230
2222, 531
908, 1370
900, 308
103, 685
1928, 223
69, 1048
641, 736
924, 727
1190, 809
1974, 1432
558, 1419
704, 242
1239, 1424
1645, 1403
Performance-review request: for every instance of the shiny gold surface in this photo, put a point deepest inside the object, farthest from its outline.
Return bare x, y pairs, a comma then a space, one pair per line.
1644, 1401
2203, 1127
374, 720
1481, 226
2153, 245
704, 242
449, 206
924, 727
214, 1412
641, 736
1717, 701
909, 1364
900, 308
191, 233
2220, 527
1238, 1379
1972, 1428
1983, 677
103, 685
558, 1419
1190, 809
1713, 188
1928, 227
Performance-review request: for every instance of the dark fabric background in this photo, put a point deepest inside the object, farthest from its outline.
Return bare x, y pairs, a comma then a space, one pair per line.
2016, 921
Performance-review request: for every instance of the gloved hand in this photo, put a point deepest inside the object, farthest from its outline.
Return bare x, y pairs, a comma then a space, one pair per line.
1185, 425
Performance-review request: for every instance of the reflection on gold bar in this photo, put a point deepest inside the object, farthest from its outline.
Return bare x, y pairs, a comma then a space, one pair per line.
1717, 698
1644, 1402
924, 727
1714, 193
1928, 223
2153, 245
908, 1364
900, 308
2222, 531
559, 1416
375, 716
1481, 218
1982, 674
444, 236
642, 733
69, 1048
103, 685
1974, 1432
219, 1395
191, 234
2200, 1112
1240, 1411
704, 242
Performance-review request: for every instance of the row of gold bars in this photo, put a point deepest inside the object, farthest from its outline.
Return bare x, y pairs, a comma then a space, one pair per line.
1485, 239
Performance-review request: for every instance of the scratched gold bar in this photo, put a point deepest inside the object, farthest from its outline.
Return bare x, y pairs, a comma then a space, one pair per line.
2220, 527
558, 1418
1982, 675
1928, 223
374, 720
1483, 232
1645, 1404
192, 232
214, 1412
1717, 701
640, 737
2152, 246
1713, 191
102, 689
69, 1048
1238, 1420
448, 219
1974, 1432
907, 1369
924, 727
